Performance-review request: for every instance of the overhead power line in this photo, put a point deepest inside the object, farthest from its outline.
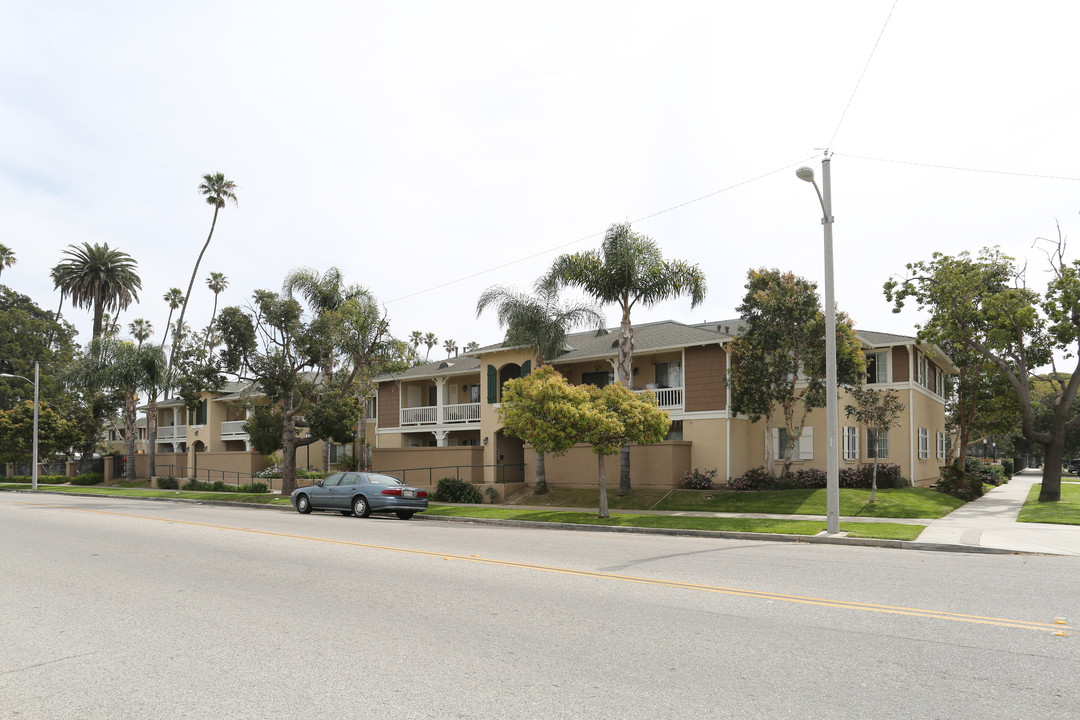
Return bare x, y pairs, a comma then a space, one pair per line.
550, 250
962, 169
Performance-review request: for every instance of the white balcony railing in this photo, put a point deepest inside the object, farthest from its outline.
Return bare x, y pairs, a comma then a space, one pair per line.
461, 413
419, 415
667, 398
169, 433
429, 415
233, 428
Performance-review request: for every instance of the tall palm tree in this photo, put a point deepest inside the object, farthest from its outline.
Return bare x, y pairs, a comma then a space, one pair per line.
450, 347
175, 298
539, 322
140, 329
415, 338
99, 278
627, 270
7, 257
430, 341
217, 191
217, 282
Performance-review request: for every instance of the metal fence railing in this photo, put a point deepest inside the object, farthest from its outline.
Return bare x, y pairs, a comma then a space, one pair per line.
210, 475
504, 473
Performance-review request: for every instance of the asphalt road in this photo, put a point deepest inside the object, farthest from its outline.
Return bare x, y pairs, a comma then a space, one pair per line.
136, 609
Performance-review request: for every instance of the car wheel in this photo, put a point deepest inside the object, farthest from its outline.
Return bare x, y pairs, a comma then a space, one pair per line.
404, 514
303, 505
360, 506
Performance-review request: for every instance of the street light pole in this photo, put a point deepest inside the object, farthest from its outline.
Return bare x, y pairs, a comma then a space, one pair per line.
34, 470
832, 467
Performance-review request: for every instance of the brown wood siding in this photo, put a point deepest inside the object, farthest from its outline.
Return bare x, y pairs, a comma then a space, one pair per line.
389, 410
706, 369
899, 364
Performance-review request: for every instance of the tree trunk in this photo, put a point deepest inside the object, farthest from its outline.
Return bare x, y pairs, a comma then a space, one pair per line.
625, 374
151, 431
129, 435
603, 488
541, 475
1051, 479
288, 449
178, 336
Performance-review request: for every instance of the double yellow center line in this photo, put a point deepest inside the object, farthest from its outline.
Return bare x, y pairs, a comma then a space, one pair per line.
1057, 627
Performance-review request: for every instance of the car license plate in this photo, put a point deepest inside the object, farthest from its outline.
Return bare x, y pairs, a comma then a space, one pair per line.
408, 493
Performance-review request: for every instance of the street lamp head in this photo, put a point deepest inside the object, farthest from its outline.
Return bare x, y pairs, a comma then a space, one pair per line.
805, 173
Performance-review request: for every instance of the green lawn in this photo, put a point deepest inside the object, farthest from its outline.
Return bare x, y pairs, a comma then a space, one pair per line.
895, 531
1065, 511
255, 498
898, 503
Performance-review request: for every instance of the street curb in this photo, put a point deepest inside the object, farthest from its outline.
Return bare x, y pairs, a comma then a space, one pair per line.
675, 532
730, 535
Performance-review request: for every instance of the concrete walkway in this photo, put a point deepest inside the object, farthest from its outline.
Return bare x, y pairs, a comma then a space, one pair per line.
991, 522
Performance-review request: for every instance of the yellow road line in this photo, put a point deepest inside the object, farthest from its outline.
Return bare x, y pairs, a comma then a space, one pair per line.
1053, 627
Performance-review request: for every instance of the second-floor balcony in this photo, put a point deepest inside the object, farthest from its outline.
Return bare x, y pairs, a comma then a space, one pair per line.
667, 398
233, 429
170, 433
441, 414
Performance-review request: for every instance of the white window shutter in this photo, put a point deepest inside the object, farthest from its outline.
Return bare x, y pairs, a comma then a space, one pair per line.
847, 443
778, 452
806, 444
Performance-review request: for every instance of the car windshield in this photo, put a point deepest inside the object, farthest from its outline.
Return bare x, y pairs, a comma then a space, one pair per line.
376, 479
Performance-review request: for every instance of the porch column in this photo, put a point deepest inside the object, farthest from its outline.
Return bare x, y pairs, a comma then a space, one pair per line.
440, 402
440, 437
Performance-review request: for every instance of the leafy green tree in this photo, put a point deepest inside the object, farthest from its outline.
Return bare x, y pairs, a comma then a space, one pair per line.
56, 433
217, 190
778, 361
99, 278
544, 410
878, 410
30, 334
7, 257
983, 304
628, 270
614, 417
539, 322
980, 402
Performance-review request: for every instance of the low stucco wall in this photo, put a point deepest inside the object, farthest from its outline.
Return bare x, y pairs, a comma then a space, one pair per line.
424, 467
651, 466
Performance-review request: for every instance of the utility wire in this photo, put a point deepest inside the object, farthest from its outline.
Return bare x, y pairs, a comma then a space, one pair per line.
596, 234
963, 169
859, 81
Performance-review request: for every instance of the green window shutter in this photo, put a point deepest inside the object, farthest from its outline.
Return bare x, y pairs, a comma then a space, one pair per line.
201, 415
526, 368
493, 384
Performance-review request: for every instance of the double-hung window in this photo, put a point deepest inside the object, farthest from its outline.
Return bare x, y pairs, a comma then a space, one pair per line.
924, 443
851, 443
877, 367
877, 444
941, 446
804, 446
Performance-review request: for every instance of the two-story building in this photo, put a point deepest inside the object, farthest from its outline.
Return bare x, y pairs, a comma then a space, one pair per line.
440, 419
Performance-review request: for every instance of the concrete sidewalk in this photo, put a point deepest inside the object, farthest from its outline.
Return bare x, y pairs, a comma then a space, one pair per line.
991, 522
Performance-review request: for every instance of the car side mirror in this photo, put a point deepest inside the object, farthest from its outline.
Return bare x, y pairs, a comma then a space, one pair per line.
319, 483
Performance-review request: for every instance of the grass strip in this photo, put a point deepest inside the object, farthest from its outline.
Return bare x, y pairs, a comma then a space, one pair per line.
1065, 511
894, 531
251, 498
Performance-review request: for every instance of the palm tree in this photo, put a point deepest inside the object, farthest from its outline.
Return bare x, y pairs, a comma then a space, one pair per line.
430, 341
415, 338
628, 269
99, 278
130, 369
217, 191
541, 323
450, 347
110, 326
7, 257
140, 329
217, 282
175, 298
471, 345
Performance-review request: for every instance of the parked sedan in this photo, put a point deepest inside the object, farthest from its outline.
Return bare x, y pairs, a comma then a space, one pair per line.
360, 494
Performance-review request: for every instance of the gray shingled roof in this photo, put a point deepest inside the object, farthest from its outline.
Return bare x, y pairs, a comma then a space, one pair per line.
460, 365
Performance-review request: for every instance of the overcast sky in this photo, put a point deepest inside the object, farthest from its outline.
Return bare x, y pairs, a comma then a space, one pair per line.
432, 149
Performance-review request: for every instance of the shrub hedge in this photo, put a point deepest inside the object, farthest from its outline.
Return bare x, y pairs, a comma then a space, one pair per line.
888, 476
90, 478
698, 479
453, 490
